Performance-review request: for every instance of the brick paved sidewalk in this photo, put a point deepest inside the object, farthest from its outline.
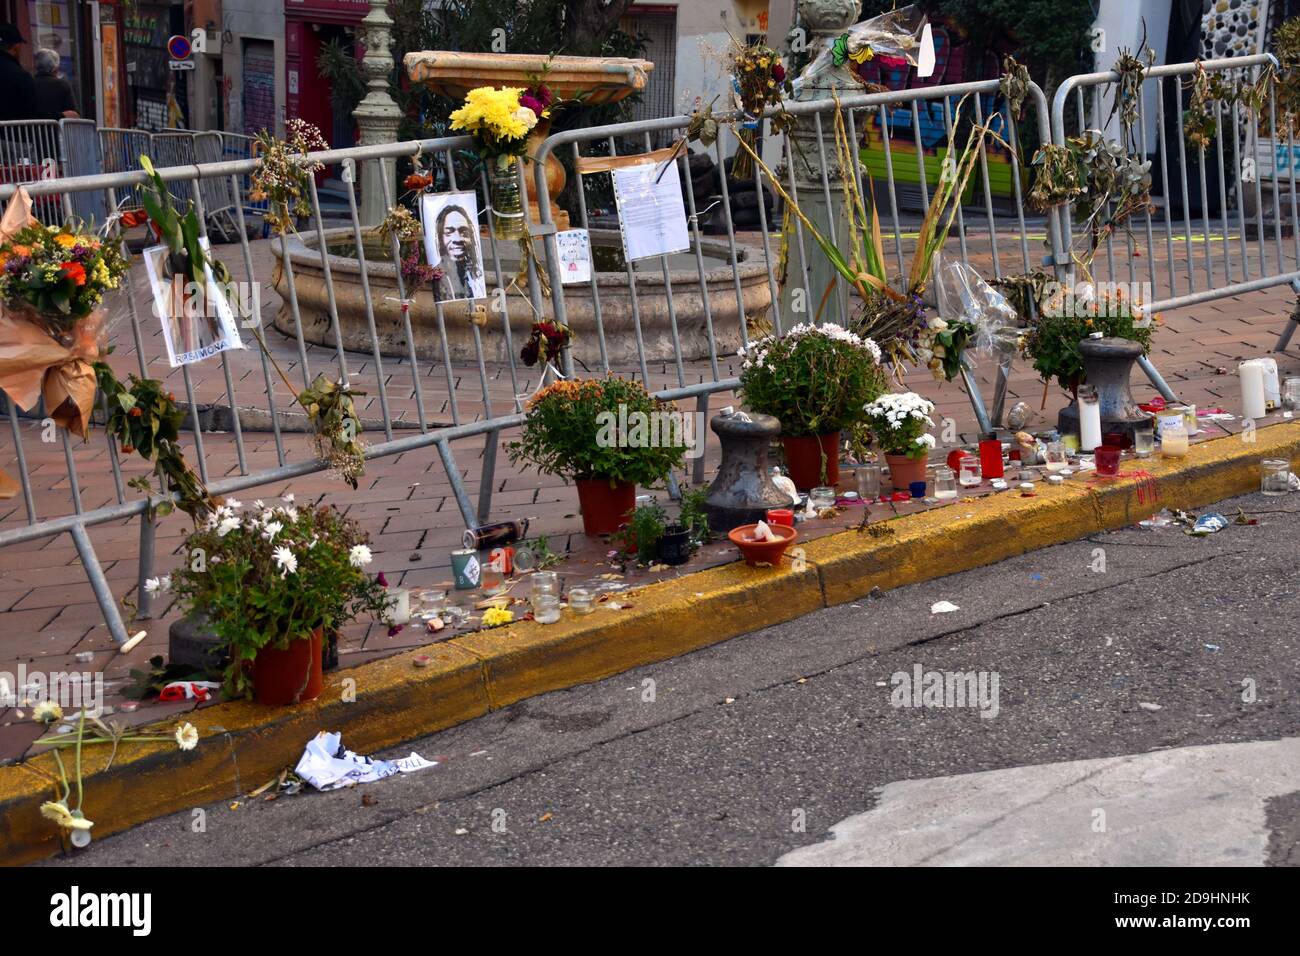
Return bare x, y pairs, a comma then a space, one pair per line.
47, 612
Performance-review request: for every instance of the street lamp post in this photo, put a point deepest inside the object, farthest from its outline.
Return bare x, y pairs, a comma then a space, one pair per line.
377, 115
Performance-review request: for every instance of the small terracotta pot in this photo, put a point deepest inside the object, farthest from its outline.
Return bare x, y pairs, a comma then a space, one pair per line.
604, 508
903, 471
803, 459
762, 552
291, 675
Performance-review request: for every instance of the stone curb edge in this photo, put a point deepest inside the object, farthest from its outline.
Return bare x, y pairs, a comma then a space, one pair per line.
243, 745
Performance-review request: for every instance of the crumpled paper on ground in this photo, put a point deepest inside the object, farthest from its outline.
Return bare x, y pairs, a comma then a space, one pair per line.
327, 765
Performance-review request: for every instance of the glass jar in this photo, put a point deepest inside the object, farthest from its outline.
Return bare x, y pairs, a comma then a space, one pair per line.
1055, 457
1107, 460
945, 484
545, 583
1274, 476
507, 208
546, 608
1144, 440
869, 482
821, 497
1291, 394
582, 600
1173, 439
970, 475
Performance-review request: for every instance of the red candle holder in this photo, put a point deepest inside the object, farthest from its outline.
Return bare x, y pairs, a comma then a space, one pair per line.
991, 458
782, 516
1107, 459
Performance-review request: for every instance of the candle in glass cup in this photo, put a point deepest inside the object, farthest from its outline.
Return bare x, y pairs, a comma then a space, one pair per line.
1107, 459
1089, 418
781, 516
1173, 440
1055, 457
991, 458
945, 484
869, 481
1144, 440
970, 475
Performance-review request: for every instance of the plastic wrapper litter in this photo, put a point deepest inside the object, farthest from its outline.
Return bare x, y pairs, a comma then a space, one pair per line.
962, 296
894, 35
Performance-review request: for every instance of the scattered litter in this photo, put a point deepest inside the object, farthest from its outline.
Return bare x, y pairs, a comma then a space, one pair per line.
1208, 524
1211, 647
461, 831
234, 805
1147, 705
85, 657
421, 660
128, 706
188, 690
478, 753
130, 645
369, 800
943, 607
1293, 481
729, 700
802, 680
327, 765
1035, 576
876, 594
544, 817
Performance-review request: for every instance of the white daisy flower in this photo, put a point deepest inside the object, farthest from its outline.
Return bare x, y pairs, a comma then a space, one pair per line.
359, 556
286, 560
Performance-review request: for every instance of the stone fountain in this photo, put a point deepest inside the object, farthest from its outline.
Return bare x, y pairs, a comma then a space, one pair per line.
594, 80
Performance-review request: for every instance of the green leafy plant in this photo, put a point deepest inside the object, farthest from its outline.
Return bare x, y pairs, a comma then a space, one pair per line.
645, 528
180, 233
268, 576
1066, 318
574, 428
815, 378
694, 516
145, 419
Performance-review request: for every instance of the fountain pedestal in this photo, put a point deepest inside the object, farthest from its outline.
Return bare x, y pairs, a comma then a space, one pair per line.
743, 490
594, 80
1107, 364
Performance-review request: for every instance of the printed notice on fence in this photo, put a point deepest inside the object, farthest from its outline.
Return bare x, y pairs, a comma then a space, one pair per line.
652, 215
575, 256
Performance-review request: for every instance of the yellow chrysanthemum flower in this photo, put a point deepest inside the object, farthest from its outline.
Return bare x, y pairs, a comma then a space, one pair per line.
65, 240
492, 112
496, 616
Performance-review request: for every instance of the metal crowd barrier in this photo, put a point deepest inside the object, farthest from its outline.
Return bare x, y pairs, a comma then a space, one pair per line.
996, 244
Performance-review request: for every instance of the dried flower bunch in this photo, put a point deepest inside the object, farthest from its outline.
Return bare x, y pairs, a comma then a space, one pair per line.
1068, 316
333, 415
545, 343
283, 176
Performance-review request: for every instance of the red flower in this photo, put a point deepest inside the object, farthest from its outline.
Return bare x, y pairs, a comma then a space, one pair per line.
417, 181
74, 271
778, 73
134, 217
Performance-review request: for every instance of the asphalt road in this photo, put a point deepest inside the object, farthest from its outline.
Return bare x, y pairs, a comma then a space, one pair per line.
762, 745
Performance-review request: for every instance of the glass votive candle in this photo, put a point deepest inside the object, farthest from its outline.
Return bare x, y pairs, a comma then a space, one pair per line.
1173, 440
582, 600
945, 484
545, 583
546, 608
1055, 457
1274, 476
1144, 440
869, 481
821, 497
1107, 459
916, 489
781, 516
970, 475
1291, 394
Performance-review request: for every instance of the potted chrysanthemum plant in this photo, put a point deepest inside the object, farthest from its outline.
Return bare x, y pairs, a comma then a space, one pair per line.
899, 423
816, 380
271, 582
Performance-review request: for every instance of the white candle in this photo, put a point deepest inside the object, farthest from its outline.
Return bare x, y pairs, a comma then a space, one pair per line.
1089, 423
1252, 389
399, 611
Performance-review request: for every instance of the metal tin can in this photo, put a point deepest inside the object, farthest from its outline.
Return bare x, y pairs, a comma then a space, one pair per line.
465, 569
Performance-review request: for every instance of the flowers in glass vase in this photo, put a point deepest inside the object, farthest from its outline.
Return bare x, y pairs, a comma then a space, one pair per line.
815, 378
500, 120
898, 423
273, 575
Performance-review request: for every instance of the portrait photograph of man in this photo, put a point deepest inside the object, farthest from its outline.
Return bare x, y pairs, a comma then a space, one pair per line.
451, 244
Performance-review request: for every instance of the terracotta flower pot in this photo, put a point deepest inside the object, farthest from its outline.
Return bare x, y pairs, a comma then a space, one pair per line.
803, 458
903, 470
604, 508
291, 675
762, 552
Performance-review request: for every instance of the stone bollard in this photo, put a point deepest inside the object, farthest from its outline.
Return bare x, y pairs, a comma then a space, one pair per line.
743, 490
1108, 363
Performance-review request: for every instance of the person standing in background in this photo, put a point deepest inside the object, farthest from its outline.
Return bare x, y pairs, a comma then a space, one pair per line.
54, 96
18, 101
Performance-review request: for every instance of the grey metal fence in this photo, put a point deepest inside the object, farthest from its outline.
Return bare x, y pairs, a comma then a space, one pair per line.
442, 374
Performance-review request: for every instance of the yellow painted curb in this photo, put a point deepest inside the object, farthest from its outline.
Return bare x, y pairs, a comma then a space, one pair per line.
386, 702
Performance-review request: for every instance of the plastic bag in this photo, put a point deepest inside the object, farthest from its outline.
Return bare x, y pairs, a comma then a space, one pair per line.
962, 296
894, 35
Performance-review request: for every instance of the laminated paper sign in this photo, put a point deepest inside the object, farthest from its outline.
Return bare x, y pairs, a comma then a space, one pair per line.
190, 333
574, 247
651, 214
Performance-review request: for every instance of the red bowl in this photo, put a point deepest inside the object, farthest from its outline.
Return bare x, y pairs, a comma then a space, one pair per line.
762, 552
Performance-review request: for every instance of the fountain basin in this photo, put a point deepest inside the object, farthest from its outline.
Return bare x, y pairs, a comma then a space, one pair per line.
612, 290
